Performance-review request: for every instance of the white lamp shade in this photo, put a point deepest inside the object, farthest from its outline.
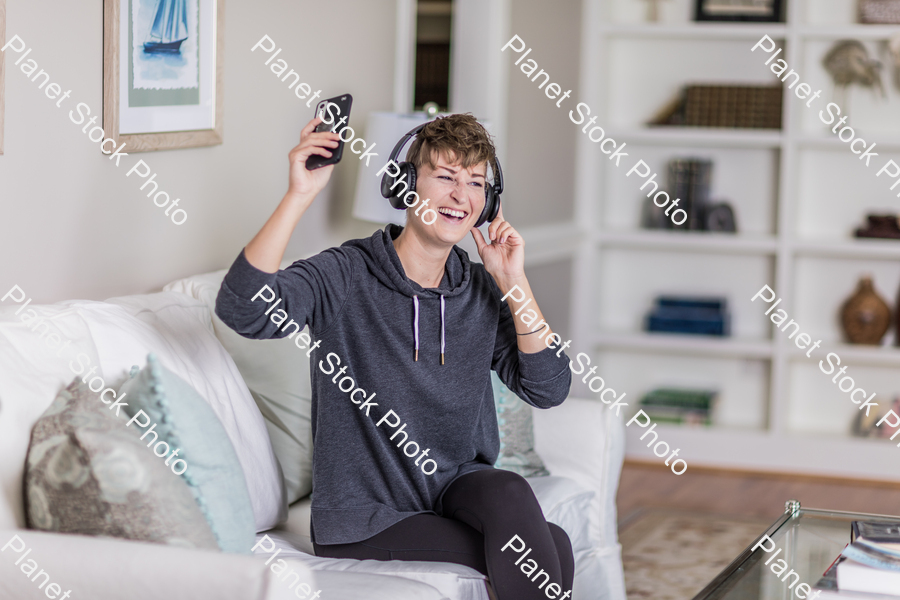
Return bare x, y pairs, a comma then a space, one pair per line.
384, 129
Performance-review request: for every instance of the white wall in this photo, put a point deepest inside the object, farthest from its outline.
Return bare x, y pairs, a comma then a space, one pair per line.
73, 226
540, 161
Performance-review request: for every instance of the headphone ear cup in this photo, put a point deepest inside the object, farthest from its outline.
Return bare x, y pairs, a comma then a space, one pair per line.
491, 206
495, 204
402, 183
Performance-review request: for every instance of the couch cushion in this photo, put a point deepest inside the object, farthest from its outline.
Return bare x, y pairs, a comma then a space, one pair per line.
185, 423
583, 440
277, 374
178, 330
451, 580
95, 568
516, 433
337, 585
88, 473
563, 502
33, 370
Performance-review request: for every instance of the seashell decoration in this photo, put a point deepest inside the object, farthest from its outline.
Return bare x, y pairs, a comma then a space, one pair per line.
848, 62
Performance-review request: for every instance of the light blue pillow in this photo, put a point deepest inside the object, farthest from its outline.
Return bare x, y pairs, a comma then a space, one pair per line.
517, 452
186, 422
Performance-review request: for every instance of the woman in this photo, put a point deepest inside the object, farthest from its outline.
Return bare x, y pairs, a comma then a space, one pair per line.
405, 432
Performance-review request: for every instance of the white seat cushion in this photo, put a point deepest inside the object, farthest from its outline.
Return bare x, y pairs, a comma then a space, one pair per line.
451, 580
345, 585
563, 501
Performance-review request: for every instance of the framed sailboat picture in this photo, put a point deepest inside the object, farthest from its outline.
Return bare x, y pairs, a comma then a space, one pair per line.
162, 73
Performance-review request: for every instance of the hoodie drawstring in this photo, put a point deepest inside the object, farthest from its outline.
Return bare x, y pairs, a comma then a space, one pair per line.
416, 324
416, 327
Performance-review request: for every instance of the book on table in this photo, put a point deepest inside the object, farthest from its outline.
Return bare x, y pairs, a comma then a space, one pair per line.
868, 567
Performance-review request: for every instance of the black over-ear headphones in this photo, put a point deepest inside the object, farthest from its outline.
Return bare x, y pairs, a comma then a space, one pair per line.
407, 171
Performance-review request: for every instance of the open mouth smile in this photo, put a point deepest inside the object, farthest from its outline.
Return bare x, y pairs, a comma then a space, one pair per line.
452, 215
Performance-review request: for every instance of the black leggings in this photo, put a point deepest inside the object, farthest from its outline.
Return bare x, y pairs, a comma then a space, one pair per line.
482, 512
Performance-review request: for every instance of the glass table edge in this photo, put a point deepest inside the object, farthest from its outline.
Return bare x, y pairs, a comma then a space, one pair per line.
788, 515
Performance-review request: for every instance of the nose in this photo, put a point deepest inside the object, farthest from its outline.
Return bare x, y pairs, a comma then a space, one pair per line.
458, 193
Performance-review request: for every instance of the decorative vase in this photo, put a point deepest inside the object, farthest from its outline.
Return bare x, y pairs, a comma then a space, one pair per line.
865, 316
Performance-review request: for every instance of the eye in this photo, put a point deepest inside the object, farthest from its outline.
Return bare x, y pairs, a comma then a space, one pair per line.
444, 177
476, 183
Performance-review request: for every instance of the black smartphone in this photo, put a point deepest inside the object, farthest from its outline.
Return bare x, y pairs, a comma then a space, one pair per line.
335, 113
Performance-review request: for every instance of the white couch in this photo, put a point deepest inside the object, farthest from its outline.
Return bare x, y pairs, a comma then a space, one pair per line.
580, 441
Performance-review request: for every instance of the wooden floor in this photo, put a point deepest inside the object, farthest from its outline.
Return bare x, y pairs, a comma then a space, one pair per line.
732, 493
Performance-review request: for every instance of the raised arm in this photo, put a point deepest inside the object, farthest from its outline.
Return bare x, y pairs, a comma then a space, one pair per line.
307, 292
266, 250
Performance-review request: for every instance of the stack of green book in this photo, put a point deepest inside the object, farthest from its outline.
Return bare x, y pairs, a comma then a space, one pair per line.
672, 405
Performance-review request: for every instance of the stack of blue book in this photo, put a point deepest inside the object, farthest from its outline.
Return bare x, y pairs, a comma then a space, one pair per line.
693, 315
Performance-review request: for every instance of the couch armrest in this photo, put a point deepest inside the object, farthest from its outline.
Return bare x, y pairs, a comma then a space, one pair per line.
585, 441
110, 569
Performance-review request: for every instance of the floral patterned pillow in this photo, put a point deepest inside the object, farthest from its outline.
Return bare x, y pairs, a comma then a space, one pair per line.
87, 473
517, 452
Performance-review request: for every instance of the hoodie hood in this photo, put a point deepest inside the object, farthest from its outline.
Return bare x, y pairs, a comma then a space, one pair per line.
381, 257
384, 263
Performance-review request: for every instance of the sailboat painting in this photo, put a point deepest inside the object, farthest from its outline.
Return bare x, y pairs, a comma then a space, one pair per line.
164, 44
169, 27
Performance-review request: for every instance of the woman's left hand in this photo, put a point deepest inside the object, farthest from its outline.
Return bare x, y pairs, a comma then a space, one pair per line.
504, 257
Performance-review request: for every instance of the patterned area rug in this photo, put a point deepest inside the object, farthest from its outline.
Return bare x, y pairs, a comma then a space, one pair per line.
671, 555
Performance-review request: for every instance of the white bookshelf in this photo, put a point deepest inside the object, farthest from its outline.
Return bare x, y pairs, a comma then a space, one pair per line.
798, 194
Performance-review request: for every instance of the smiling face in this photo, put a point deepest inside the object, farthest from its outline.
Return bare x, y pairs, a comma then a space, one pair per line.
455, 193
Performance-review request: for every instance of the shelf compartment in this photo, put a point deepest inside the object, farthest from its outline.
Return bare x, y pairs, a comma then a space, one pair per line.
630, 280
634, 100
872, 117
818, 406
836, 191
742, 383
822, 285
746, 177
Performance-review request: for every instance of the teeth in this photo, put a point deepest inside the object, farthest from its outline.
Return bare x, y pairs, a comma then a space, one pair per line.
451, 212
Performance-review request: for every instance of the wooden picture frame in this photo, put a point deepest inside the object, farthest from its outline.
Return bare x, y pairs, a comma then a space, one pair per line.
764, 11
2, 69
209, 101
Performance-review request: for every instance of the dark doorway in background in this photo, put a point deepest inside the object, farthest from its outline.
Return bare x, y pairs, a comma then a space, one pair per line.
434, 20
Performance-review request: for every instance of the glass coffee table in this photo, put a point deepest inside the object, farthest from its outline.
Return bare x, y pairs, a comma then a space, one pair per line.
810, 540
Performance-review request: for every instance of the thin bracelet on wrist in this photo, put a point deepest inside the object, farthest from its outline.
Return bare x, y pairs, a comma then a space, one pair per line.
535, 331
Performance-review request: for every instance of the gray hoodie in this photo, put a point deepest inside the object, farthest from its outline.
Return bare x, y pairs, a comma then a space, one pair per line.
396, 426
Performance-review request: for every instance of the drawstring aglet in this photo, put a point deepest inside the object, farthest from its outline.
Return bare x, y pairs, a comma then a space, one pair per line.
442, 358
417, 355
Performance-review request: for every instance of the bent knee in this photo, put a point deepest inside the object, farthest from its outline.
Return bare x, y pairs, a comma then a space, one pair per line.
560, 536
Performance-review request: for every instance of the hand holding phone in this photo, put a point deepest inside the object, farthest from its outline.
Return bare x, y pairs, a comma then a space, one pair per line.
335, 115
